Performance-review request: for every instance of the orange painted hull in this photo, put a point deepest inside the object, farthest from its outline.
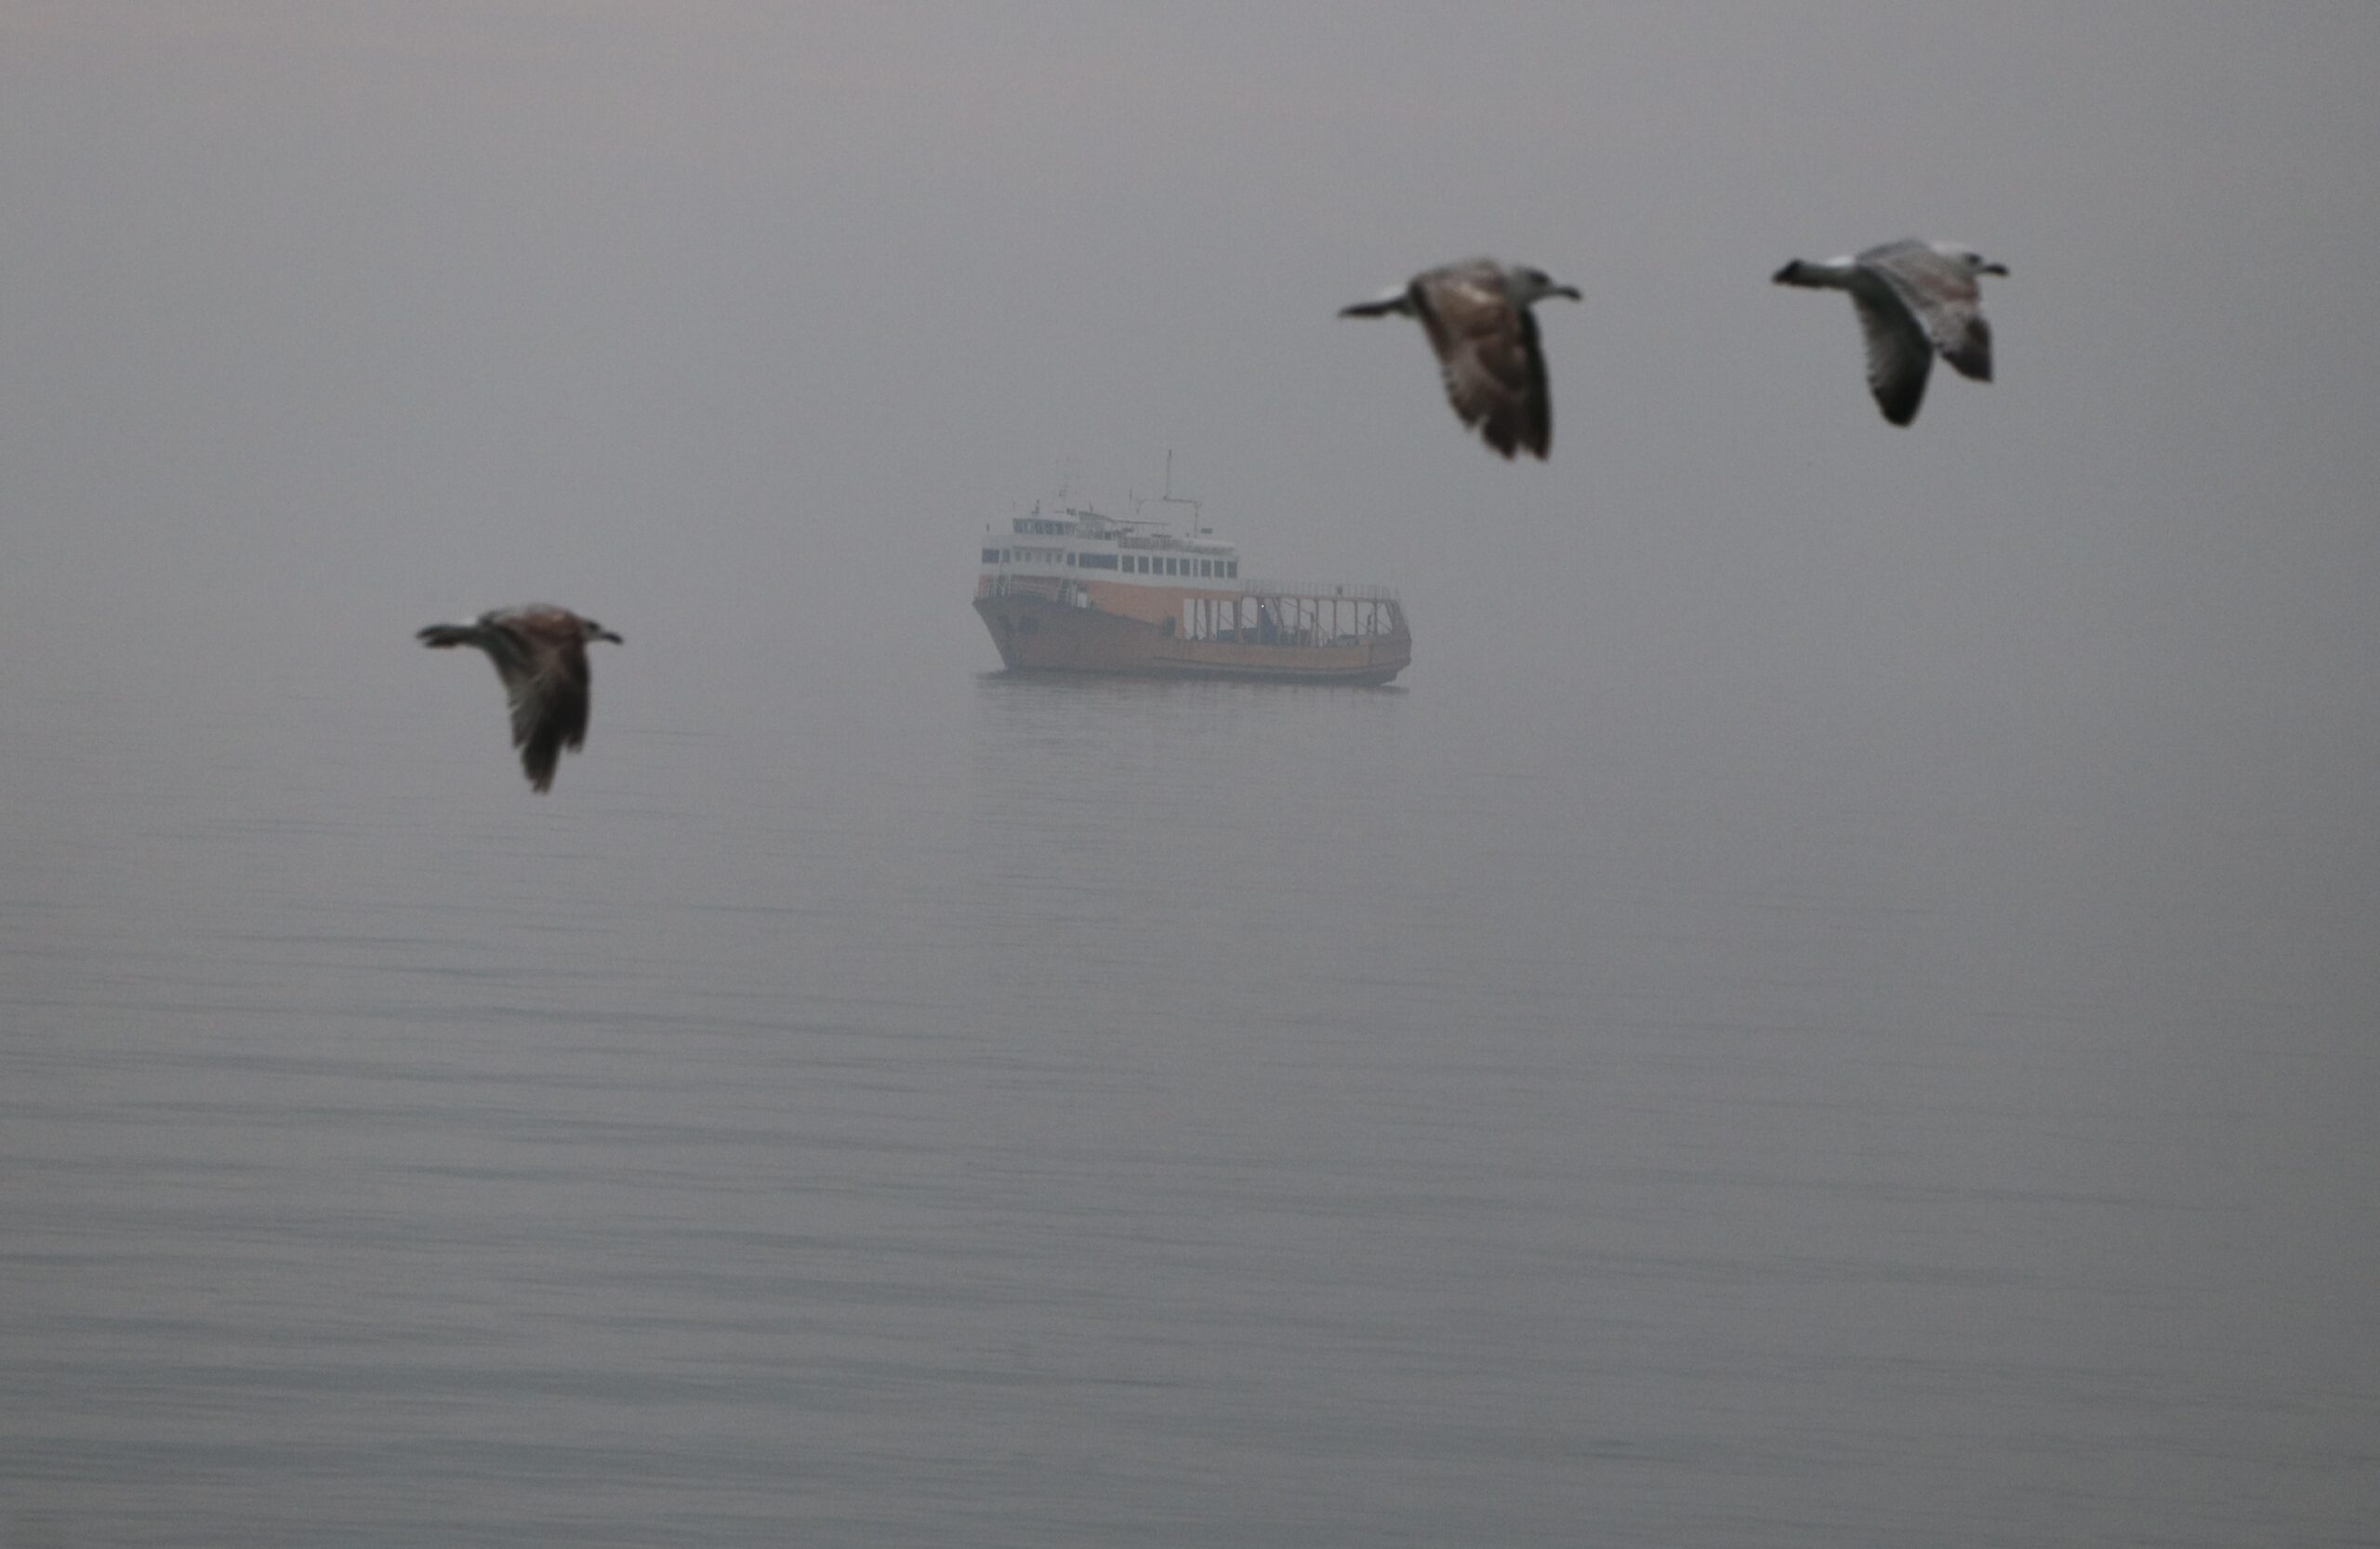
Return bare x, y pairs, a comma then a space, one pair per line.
1037, 635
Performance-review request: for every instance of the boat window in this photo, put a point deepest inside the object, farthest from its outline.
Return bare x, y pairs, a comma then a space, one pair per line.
1233, 570
1206, 567
991, 556
1098, 562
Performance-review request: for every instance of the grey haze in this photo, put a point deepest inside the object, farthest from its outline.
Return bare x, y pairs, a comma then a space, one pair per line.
1833, 1005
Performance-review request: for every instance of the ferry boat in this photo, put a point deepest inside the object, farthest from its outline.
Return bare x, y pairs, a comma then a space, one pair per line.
1075, 592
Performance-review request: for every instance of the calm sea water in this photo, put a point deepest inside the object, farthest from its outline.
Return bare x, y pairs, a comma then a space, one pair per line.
1039, 1114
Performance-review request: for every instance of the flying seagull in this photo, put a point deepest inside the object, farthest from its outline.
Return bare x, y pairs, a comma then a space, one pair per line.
1476, 314
1914, 297
540, 652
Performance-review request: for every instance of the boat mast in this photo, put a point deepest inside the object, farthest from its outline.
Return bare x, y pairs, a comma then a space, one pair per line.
1169, 498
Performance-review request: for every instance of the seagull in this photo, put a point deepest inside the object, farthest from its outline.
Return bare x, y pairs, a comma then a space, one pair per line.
1476, 314
540, 652
1914, 297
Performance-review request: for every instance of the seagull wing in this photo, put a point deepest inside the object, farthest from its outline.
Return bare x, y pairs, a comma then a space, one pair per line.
1899, 355
548, 714
546, 682
1398, 300
1488, 355
1945, 298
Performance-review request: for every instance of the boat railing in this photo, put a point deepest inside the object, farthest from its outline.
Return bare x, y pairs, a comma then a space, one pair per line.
1325, 589
1341, 615
1005, 585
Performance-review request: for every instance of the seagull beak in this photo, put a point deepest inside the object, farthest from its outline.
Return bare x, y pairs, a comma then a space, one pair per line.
606, 634
1999, 269
1571, 291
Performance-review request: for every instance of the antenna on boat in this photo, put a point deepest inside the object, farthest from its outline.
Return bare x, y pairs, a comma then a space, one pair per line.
1169, 498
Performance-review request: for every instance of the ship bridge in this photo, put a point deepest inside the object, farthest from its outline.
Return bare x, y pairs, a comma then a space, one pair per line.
1074, 542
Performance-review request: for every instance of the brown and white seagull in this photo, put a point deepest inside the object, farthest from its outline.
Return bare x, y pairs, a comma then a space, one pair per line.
1477, 316
1914, 297
540, 652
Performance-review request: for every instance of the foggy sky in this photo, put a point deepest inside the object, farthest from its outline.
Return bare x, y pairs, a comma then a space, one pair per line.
733, 325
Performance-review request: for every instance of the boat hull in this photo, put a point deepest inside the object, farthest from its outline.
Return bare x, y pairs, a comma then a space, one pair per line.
1037, 635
